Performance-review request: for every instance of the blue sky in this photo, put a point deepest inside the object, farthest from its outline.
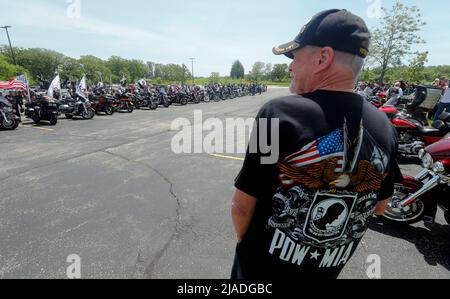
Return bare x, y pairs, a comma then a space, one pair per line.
171, 31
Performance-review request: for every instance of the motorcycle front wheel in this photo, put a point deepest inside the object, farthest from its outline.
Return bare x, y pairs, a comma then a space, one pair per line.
89, 114
109, 110
411, 214
53, 120
36, 119
10, 124
152, 106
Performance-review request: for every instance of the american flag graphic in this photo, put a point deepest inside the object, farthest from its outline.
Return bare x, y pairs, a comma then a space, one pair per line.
329, 146
16, 83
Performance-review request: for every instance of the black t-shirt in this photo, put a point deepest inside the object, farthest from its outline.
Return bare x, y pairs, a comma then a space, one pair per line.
337, 160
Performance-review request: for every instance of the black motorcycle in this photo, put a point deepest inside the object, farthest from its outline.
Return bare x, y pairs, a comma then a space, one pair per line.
42, 110
145, 100
8, 118
77, 105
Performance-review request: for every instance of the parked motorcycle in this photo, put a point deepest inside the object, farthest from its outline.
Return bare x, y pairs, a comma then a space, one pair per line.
42, 110
409, 118
8, 118
124, 101
418, 198
102, 103
76, 105
413, 136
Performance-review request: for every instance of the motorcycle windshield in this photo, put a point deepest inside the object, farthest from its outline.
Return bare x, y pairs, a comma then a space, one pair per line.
5, 102
82, 98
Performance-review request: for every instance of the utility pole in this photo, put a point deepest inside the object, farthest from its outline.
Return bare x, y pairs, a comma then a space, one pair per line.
193, 77
10, 46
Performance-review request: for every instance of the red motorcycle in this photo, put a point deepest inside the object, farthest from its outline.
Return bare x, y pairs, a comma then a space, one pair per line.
418, 198
413, 136
410, 120
101, 102
124, 102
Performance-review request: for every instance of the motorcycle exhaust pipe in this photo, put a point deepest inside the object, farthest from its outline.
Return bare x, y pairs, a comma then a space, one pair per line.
422, 175
432, 183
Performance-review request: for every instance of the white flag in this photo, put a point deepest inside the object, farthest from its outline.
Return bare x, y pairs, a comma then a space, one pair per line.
56, 85
82, 87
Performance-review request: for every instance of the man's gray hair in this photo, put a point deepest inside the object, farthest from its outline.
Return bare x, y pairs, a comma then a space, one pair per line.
354, 62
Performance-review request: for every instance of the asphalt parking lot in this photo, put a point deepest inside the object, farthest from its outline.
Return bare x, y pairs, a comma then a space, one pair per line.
112, 191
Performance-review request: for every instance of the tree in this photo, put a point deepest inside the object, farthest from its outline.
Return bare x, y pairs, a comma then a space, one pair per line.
280, 72
96, 69
137, 69
40, 62
8, 70
416, 68
214, 78
118, 67
368, 74
71, 69
267, 71
158, 72
398, 33
237, 70
257, 71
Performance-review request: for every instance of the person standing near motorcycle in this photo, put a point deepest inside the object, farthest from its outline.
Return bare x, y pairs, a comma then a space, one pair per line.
304, 215
19, 104
444, 104
394, 94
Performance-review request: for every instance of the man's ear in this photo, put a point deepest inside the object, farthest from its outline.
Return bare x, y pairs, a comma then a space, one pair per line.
326, 58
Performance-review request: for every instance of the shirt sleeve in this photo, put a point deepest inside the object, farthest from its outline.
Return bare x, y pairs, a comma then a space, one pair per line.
255, 177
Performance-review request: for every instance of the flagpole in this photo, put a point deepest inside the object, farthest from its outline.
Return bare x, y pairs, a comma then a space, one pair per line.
28, 88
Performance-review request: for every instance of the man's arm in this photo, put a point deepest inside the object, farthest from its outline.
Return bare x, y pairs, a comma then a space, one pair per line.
242, 210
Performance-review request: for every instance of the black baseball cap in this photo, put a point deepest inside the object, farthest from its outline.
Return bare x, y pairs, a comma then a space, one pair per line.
335, 28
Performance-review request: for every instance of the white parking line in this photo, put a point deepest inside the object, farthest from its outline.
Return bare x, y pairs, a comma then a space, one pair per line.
227, 157
106, 118
43, 129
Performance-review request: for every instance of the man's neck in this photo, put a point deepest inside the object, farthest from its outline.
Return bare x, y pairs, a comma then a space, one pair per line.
337, 82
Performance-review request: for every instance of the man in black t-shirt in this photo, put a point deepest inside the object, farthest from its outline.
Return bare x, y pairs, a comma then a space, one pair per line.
304, 216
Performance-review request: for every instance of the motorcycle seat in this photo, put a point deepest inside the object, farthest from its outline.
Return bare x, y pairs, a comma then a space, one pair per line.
445, 117
434, 131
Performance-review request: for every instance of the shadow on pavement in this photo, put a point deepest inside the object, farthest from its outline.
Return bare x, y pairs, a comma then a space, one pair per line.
433, 240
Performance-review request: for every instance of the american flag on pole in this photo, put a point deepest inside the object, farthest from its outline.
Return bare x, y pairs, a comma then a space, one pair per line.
329, 146
16, 83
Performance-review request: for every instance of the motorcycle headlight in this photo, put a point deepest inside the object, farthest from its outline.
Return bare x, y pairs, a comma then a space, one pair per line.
427, 161
438, 167
422, 153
